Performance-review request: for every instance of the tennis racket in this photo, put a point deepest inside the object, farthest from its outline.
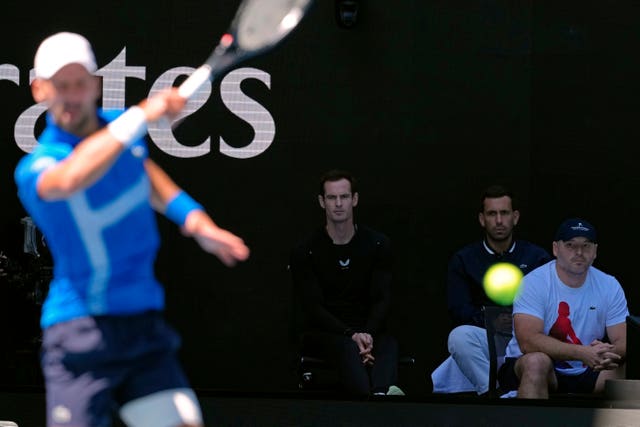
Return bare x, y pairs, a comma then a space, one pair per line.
258, 26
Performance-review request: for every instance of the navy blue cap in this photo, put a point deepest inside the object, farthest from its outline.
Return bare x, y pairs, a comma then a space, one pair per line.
575, 227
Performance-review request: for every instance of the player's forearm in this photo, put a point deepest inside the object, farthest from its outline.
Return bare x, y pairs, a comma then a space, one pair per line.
95, 154
163, 188
89, 162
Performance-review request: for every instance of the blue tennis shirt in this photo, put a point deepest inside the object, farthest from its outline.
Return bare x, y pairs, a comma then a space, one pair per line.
103, 239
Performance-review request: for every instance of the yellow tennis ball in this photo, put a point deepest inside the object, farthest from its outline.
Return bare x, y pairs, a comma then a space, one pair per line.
502, 282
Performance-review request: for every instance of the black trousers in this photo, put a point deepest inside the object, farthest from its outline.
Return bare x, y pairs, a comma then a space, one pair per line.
343, 352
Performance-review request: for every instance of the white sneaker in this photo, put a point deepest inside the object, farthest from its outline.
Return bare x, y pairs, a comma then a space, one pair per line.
395, 391
510, 395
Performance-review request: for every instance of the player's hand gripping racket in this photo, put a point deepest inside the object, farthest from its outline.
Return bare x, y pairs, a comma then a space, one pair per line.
258, 26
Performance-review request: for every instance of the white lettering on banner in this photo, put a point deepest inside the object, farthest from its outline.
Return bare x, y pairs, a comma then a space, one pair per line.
160, 132
249, 111
10, 72
114, 76
24, 127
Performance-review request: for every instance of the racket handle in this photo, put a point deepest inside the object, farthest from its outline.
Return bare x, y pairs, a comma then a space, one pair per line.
194, 81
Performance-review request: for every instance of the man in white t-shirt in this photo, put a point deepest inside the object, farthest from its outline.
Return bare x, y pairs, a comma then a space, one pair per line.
569, 322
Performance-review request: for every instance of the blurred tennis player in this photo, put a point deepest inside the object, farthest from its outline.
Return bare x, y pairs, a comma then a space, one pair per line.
91, 189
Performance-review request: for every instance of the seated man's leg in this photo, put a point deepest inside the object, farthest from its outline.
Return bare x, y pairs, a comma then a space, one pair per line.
618, 373
448, 378
589, 381
384, 372
469, 348
536, 375
343, 352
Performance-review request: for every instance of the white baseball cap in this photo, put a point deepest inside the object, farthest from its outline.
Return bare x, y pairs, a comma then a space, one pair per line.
62, 49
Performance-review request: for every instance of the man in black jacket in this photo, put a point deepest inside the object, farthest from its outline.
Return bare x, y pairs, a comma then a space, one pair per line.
467, 369
343, 271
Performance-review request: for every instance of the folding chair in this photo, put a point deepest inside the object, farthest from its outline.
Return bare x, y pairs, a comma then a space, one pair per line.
308, 367
499, 325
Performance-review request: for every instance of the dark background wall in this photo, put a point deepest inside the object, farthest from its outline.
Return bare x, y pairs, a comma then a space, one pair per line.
425, 101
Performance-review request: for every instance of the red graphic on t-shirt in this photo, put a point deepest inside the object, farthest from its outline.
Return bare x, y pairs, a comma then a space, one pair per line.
562, 329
